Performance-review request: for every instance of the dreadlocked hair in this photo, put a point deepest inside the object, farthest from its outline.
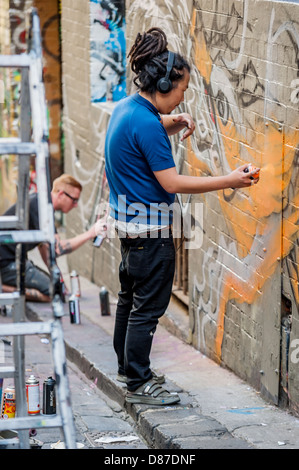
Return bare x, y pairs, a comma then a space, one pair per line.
149, 57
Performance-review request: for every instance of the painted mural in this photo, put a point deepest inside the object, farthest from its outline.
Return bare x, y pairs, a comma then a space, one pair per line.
267, 140
107, 50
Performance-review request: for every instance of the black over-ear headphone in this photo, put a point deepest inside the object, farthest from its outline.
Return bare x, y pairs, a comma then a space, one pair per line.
164, 85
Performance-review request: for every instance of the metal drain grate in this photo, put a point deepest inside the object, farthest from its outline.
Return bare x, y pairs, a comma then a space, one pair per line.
113, 439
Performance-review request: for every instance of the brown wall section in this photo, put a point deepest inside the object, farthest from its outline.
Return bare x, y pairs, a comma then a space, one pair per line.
49, 13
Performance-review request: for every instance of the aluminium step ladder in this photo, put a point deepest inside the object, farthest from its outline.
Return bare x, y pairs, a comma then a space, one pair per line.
33, 140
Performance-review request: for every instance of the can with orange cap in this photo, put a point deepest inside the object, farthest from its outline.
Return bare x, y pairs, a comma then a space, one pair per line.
250, 168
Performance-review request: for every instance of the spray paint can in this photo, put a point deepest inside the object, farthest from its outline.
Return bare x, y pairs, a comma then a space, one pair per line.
98, 240
249, 168
32, 394
104, 302
75, 284
74, 309
49, 397
9, 403
62, 289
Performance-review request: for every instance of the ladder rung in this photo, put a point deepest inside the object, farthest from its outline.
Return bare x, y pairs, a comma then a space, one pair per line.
9, 298
26, 328
7, 371
22, 236
30, 422
15, 146
17, 60
8, 221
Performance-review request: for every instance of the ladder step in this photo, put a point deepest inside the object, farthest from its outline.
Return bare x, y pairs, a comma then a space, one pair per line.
30, 422
22, 236
9, 298
16, 146
9, 222
26, 328
15, 140
7, 372
17, 60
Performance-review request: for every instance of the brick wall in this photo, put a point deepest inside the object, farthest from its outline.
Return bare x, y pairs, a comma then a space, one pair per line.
243, 95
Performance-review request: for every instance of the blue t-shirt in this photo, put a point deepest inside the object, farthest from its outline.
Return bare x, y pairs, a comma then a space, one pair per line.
136, 145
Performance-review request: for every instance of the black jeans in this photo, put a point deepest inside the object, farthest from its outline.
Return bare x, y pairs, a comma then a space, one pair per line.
146, 276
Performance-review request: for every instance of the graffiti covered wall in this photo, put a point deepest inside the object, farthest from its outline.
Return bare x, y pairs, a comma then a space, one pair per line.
243, 96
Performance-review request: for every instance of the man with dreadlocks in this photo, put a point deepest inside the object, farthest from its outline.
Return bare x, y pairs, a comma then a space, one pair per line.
143, 180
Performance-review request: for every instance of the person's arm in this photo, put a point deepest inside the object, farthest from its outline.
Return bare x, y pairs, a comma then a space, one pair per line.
175, 123
172, 182
64, 247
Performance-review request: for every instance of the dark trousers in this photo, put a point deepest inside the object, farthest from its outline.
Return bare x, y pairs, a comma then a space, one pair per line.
146, 276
